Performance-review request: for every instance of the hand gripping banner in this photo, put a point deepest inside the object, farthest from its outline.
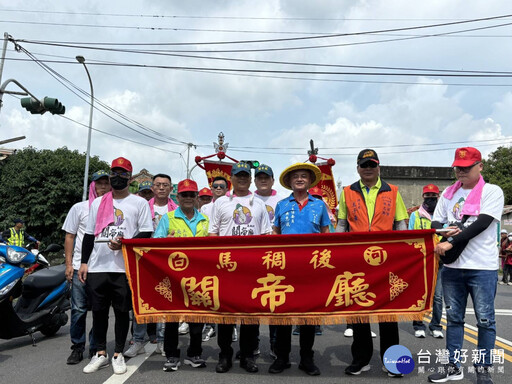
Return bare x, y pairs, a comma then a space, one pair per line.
283, 279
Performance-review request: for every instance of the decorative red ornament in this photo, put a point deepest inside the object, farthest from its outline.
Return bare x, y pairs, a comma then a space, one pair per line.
221, 155
198, 159
331, 162
312, 158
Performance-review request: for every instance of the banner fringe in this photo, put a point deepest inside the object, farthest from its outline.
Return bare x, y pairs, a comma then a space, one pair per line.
285, 320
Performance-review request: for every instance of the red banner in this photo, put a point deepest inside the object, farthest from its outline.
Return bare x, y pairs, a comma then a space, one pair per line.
217, 168
328, 186
283, 279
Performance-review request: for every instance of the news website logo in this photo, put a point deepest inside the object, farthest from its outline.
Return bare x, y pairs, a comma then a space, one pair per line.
398, 360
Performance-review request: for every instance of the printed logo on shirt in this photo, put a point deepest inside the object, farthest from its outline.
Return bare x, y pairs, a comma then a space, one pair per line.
242, 215
270, 212
118, 217
457, 209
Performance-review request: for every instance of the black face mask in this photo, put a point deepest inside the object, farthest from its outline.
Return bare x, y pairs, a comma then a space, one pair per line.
429, 203
118, 182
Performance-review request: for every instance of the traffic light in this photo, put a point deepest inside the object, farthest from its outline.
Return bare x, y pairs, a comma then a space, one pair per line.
252, 163
49, 104
32, 105
53, 106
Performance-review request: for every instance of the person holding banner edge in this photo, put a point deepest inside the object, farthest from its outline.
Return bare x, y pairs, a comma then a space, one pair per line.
370, 204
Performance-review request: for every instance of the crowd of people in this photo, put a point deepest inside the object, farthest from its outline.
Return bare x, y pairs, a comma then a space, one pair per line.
469, 211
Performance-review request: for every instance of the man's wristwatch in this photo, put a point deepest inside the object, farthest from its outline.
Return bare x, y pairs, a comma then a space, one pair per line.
450, 240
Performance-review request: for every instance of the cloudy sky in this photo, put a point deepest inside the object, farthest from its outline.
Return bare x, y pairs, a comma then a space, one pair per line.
412, 79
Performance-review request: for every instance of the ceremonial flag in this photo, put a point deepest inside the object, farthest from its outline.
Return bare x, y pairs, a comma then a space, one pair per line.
283, 279
328, 186
217, 168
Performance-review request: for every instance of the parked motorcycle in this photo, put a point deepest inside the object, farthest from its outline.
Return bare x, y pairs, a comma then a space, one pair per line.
42, 297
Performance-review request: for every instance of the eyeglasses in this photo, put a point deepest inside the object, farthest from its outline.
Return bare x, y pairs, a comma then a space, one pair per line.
221, 186
465, 169
162, 185
126, 175
188, 194
369, 164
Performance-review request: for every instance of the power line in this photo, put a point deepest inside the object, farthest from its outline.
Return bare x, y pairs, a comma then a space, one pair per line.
330, 36
158, 16
109, 133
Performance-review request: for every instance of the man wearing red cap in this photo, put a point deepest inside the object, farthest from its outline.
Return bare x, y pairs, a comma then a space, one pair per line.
205, 196
472, 210
185, 221
421, 219
370, 204
116, 215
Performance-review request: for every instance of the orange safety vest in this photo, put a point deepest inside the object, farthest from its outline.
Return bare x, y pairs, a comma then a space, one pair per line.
357, 213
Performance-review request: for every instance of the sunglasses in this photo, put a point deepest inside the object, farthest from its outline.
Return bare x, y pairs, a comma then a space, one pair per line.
126, 175
465, 169
369, 164
221, 186
188, 194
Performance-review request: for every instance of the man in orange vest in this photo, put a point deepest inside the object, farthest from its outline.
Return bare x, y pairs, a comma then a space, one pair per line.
370, 204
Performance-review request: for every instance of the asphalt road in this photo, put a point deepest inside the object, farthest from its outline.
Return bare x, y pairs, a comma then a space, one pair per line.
20, 362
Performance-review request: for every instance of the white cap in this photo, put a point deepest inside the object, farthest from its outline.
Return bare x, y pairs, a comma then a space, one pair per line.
504, 231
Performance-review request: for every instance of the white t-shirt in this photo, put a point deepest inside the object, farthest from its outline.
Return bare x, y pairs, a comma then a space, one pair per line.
207, 209
159, 212
75, 223
239, 216
270, 204
132, 215
481, 251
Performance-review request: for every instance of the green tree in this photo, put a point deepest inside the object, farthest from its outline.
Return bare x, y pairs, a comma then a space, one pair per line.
40, 186
498, 170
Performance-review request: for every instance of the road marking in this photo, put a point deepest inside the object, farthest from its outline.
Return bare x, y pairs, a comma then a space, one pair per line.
133, 364
469, 329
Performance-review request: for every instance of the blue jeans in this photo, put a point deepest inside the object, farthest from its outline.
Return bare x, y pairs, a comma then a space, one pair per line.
139, 331
437, 307
79, 316
481, 285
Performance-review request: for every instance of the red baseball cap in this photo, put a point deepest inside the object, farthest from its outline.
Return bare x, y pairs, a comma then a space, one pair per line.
123, 163
205, 192
431, 188
315, 191
466, 156
187, 185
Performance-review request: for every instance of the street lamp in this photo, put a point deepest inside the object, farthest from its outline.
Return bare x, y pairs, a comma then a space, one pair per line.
81, 60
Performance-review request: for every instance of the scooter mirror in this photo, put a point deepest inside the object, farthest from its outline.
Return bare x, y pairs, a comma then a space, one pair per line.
53, 248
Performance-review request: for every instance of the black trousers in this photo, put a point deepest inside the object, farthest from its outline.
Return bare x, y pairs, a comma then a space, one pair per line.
284, 341
171, 340
100, 327
362, 344
248, 340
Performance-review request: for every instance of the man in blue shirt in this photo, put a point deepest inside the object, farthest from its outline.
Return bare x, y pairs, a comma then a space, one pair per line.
299, 213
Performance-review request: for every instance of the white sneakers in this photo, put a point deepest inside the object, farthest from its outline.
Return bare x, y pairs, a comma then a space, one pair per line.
183, 328
137, 348
349, 332
118, 364
160, 348
437, 334
101, 361
97, 362
419, 333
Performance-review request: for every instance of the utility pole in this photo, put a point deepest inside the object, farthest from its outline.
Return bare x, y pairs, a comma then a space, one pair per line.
189, 171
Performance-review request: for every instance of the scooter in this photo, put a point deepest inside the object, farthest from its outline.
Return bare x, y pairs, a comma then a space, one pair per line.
36, 303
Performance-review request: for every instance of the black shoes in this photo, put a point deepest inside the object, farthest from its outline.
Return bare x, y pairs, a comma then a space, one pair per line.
279, 366
223, 365
308, 366
249, 365
75, 357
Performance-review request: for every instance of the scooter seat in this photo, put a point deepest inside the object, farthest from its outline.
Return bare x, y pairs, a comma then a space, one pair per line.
46, 278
